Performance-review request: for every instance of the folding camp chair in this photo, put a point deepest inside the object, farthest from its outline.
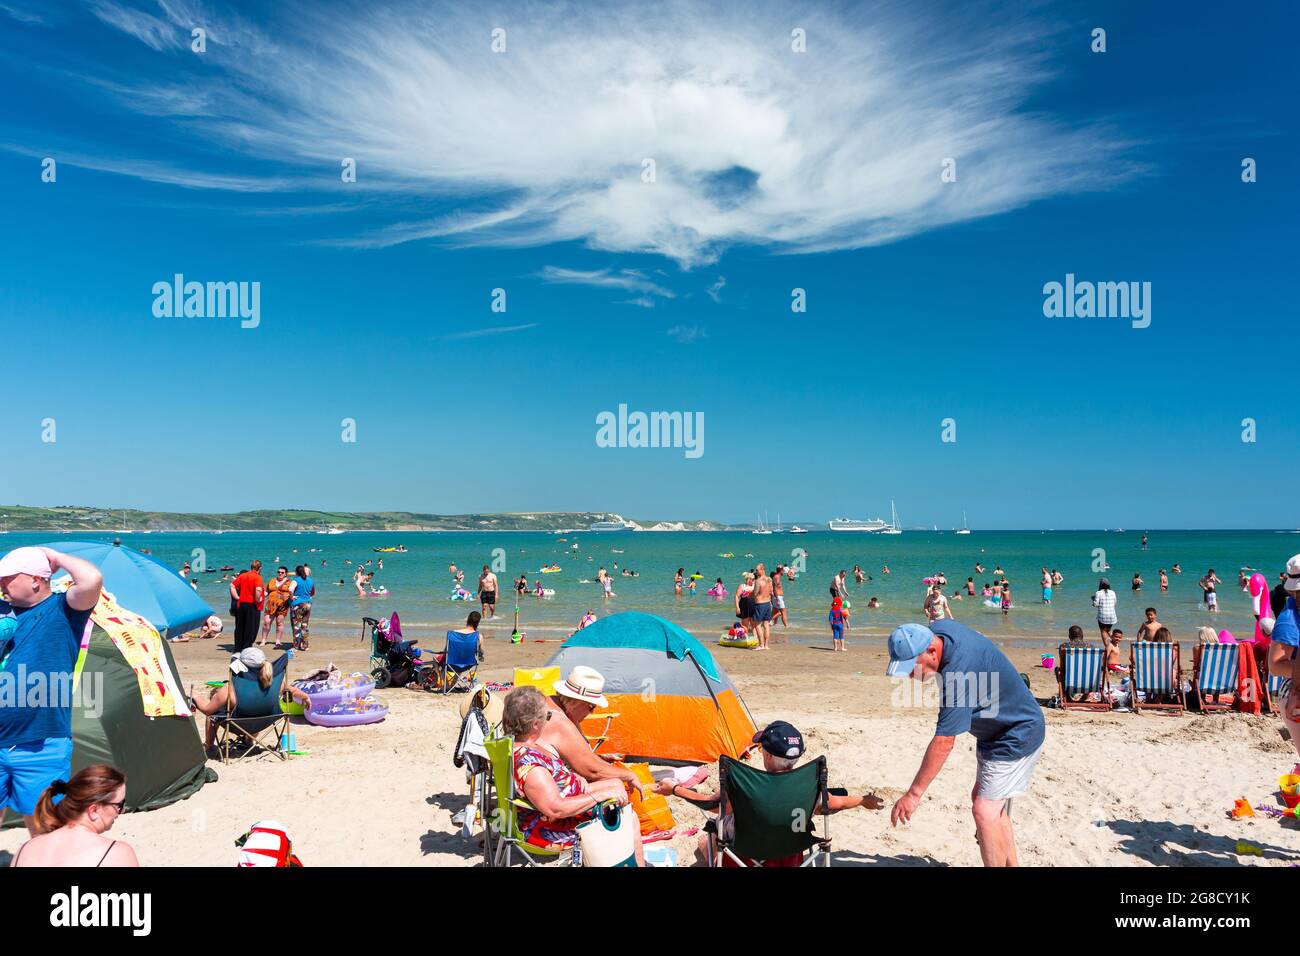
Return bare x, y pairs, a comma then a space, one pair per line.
1082, 673
256, 715
1214, 673
772, 815
1156, 671
459, 662
545, 679
500, 805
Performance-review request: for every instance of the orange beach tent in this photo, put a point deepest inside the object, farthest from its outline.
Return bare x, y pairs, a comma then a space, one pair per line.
674, 703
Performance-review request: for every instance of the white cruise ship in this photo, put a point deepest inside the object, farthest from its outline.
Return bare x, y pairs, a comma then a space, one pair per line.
611, 526
855, 524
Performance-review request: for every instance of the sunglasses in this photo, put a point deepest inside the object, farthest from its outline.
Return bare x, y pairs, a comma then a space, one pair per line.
120, 806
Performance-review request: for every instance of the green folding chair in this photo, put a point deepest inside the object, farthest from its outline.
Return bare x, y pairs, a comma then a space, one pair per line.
773, 815
500, 804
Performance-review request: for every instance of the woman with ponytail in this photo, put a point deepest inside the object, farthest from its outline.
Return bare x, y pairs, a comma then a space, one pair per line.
71, 819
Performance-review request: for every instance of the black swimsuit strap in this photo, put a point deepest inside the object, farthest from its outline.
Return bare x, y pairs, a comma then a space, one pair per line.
106, 853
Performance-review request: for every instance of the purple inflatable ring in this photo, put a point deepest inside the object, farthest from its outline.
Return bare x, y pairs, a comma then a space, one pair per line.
348, 713
323, 696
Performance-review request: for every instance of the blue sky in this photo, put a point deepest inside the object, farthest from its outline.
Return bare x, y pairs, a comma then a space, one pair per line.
775, 170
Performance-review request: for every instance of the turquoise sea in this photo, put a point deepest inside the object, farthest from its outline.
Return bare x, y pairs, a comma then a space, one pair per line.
419, 584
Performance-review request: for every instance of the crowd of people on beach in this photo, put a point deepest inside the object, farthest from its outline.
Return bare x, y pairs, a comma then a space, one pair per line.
69, 816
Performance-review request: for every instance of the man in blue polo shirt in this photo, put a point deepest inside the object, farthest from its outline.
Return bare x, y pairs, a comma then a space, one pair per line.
36, 738
981, 694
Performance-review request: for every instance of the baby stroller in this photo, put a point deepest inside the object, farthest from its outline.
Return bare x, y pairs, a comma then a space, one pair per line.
394, 661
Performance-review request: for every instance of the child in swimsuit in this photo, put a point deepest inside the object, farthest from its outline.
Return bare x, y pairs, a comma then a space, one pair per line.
839, 619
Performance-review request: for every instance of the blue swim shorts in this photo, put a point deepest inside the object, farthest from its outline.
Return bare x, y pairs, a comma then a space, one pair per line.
763, 612
27, 769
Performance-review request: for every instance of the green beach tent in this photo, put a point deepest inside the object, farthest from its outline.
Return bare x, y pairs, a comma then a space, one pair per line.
162, 756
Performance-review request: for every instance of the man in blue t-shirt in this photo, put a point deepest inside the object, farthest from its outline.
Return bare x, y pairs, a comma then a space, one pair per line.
981, 694
41, 650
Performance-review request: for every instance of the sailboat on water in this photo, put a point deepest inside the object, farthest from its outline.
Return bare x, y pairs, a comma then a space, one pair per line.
963, 529
762, 527
894, 526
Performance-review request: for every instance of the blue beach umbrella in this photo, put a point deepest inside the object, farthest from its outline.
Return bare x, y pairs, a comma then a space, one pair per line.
143, 584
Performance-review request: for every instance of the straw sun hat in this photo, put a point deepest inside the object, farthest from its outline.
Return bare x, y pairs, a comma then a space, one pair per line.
585, 684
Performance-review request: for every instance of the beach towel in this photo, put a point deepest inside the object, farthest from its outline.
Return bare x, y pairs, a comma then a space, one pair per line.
470, 750
141, 646
1249, 688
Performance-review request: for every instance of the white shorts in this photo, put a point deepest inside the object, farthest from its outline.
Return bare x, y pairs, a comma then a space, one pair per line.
780, 603
1004, 779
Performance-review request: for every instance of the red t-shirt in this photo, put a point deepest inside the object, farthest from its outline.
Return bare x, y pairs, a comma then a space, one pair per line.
246, 586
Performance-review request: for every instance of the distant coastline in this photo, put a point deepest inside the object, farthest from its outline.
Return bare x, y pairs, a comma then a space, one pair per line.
73, 518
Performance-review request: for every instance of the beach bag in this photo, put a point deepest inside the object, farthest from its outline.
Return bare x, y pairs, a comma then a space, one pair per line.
653, 812
266, 844
609, 838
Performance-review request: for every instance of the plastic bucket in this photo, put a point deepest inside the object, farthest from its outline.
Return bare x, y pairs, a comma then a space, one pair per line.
1049, 661
1288, 783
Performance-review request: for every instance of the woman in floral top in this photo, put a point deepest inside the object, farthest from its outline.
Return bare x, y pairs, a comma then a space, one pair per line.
561, 798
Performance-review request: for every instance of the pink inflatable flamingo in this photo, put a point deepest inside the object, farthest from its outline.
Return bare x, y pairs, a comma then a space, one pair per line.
1258, 587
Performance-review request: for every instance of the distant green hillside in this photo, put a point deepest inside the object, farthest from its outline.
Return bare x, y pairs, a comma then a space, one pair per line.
76, 518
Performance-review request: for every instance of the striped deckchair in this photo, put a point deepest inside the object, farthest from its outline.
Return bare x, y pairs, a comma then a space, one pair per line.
1080, 674
1275, 701
1157, 672
1214, 673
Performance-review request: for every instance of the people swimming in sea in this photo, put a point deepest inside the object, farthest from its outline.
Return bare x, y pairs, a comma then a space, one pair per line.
873, 603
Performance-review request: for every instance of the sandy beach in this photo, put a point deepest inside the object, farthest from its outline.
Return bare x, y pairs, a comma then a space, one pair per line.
1110, 790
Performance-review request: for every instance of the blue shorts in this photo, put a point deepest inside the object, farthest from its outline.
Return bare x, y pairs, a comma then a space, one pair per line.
27, 769
763, 612
837, 632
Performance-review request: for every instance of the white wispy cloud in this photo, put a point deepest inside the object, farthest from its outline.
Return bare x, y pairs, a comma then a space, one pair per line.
152, 31
628, 280
158, 171
479, 333
686, 334
715, 290
21, 14
834, 148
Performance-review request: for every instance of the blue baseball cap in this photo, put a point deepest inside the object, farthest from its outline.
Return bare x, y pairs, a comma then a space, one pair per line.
905, 645
780, 739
